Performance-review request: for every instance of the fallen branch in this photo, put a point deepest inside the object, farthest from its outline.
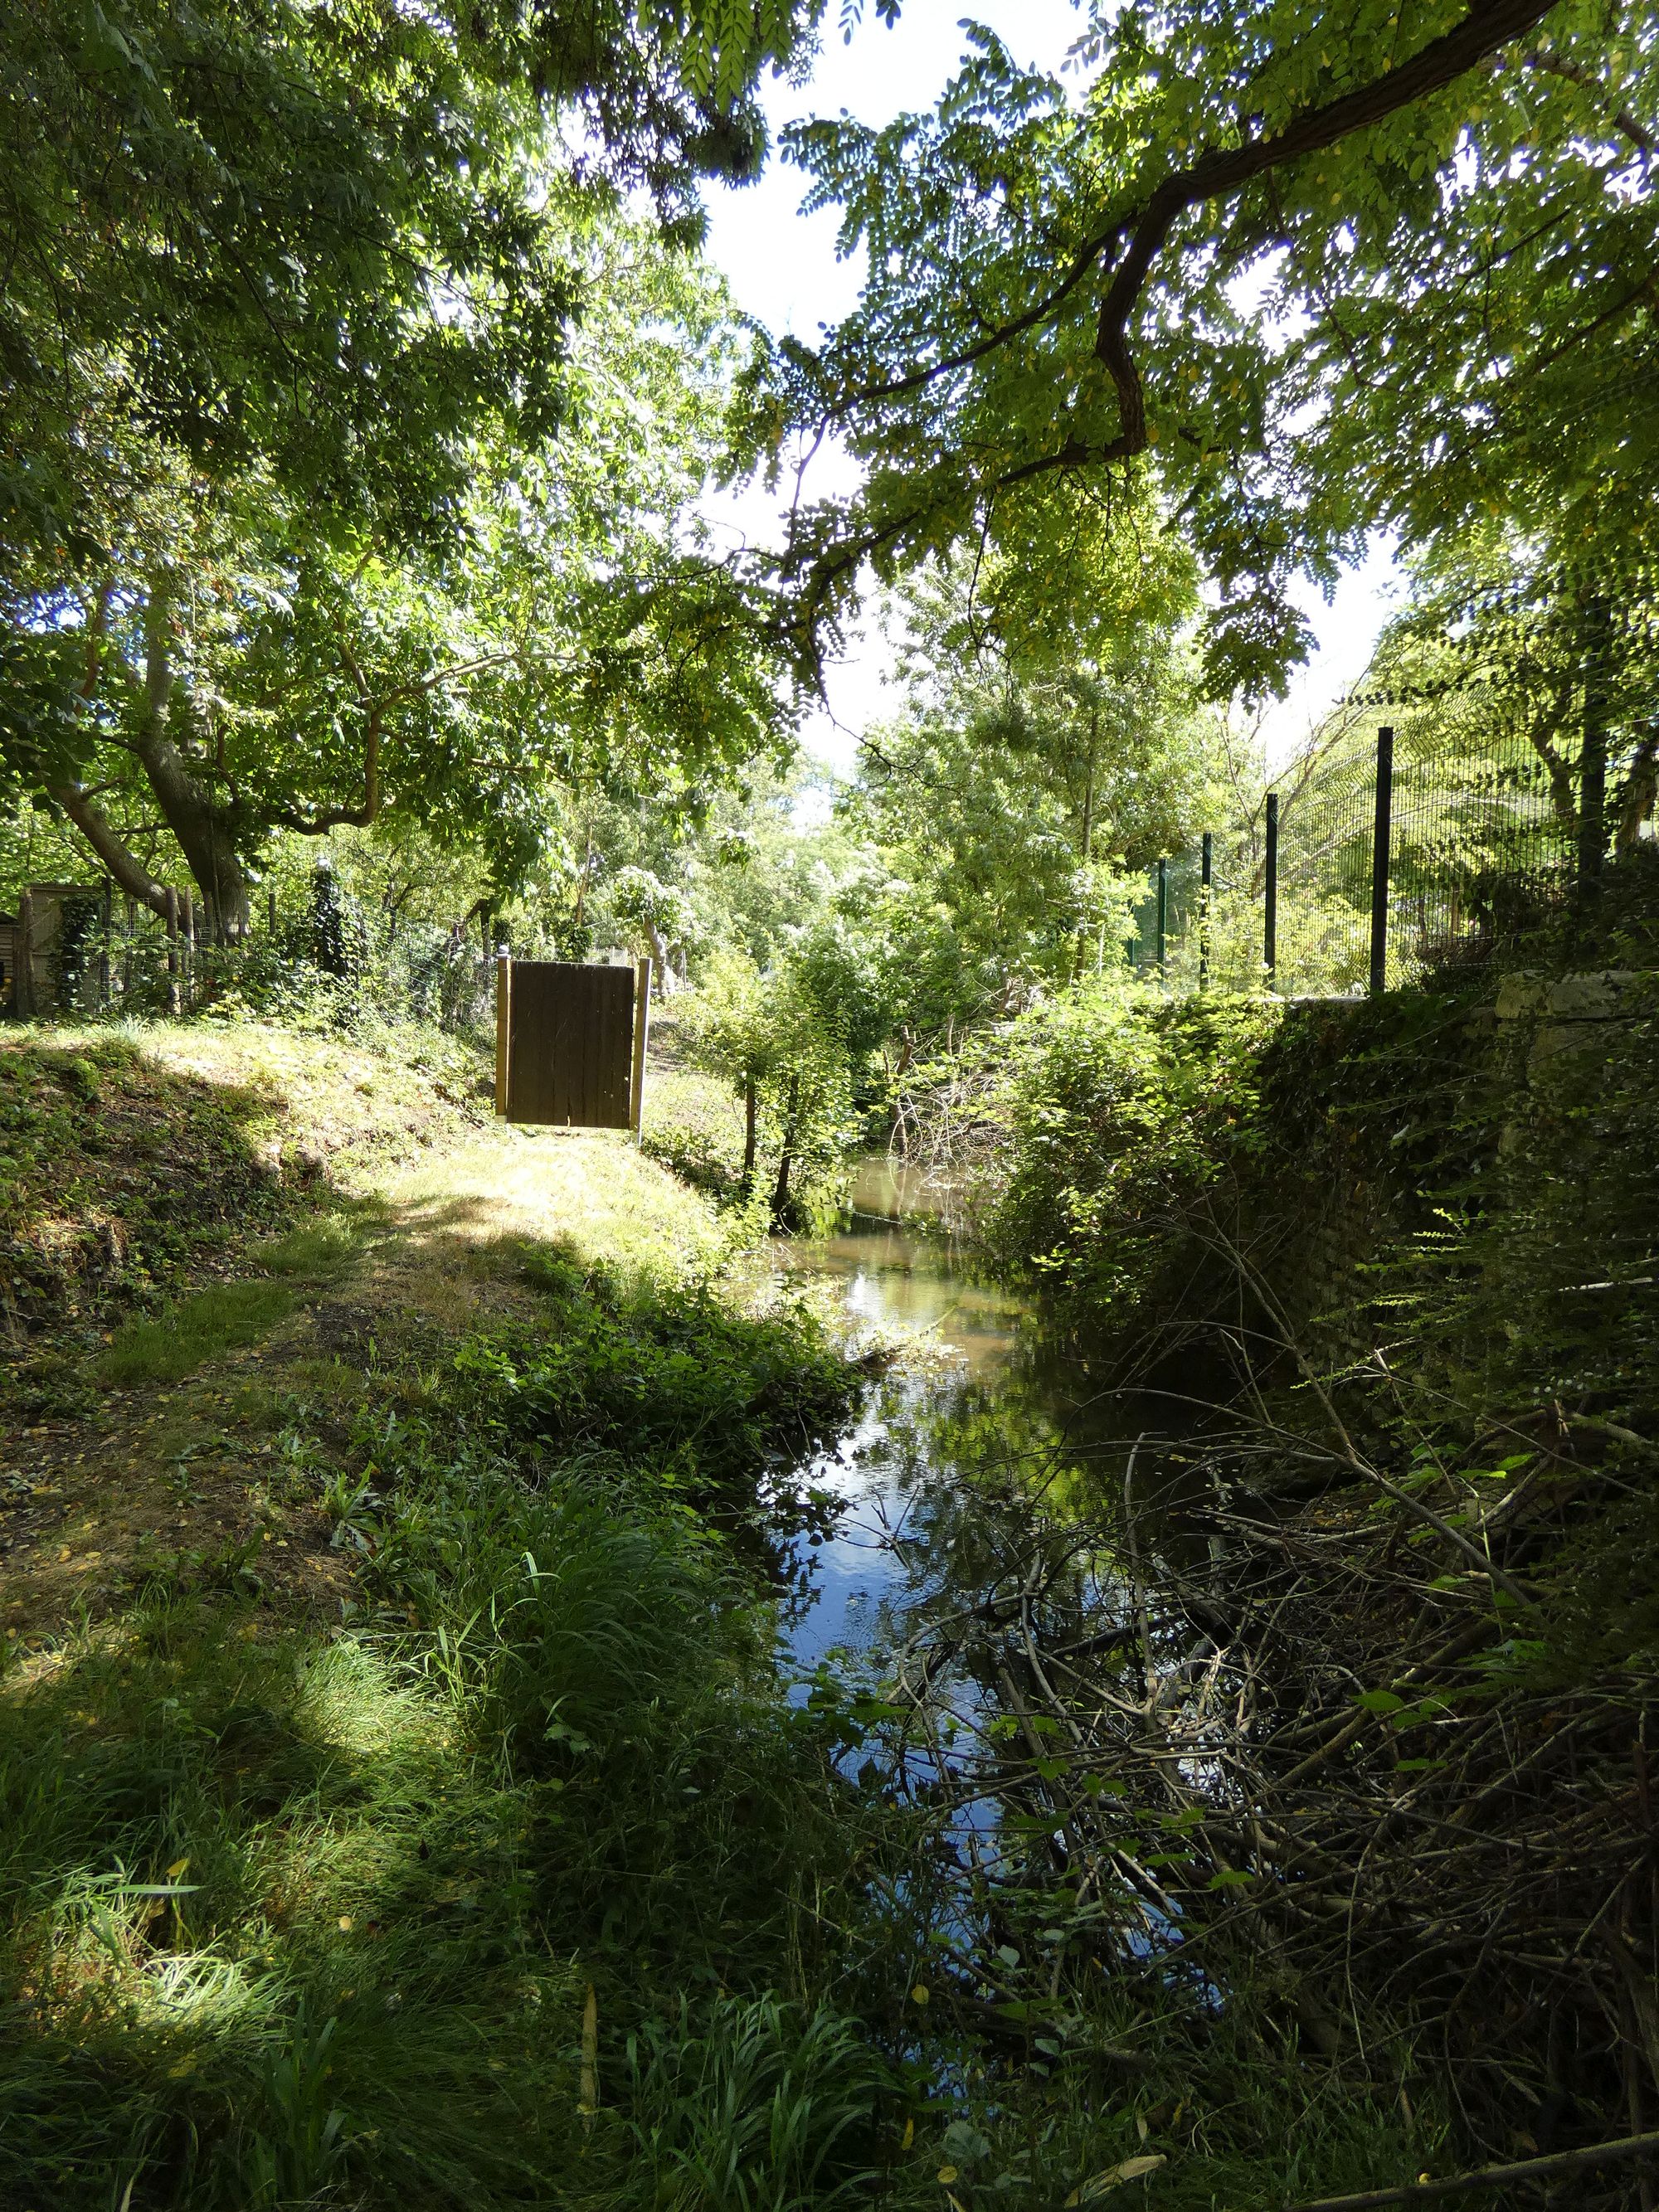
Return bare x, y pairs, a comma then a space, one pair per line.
1489, 2176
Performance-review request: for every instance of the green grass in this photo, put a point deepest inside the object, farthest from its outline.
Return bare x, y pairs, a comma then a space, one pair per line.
288, 1915
315, 1252
229, 1316
176, 1343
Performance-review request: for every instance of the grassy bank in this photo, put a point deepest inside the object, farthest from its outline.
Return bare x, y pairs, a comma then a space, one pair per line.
399, 1799
1369, 1703
399, 1806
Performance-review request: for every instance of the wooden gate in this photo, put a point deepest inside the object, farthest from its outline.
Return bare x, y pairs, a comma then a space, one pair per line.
570, 1043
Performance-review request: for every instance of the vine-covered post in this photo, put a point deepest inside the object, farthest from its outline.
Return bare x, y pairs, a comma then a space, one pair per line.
1381, 841
1270, 893
22, 987
1207, 856
1163, 912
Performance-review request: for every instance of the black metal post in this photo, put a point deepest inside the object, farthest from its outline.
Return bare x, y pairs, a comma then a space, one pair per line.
1163, 911
1593, 762
1270, 892
1205, 857
1379, 858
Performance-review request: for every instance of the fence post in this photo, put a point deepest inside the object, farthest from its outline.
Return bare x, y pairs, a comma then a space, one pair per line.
503, 1026
1207, 854
1270, 893
1593, 769
1379, 858
1163, 912
173, 951
641, 1038
104, 981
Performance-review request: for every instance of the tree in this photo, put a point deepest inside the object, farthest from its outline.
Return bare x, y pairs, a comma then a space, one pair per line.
794, 1041
236, 670
285, 288
307, 235
1303, 279
1040, 758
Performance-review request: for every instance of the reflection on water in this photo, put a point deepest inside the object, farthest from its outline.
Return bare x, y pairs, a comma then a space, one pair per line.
918, 1496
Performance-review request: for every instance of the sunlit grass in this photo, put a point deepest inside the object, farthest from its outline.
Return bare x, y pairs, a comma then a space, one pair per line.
590, 1189
227, 1317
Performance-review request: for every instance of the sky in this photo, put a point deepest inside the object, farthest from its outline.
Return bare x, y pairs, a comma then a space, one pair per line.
783, 270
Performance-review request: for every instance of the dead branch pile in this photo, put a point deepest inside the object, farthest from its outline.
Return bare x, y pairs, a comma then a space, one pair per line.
1321, 1755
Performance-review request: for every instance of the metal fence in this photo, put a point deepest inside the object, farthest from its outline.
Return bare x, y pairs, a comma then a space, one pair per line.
1435, 822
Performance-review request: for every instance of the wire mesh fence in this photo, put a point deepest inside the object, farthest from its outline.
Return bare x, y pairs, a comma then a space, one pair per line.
1475, 793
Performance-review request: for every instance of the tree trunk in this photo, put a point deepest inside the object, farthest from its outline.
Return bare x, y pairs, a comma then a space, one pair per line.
1086, 843
204, 826
205, 830
1564, 798
667, 978
786, 1159
750, 1133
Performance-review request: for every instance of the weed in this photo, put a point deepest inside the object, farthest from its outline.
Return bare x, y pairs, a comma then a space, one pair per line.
758, 2109
202, 1328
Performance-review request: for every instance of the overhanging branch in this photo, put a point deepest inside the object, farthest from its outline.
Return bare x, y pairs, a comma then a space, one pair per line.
1216, 174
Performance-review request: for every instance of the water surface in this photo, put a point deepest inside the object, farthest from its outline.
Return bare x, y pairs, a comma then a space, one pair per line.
971, 1412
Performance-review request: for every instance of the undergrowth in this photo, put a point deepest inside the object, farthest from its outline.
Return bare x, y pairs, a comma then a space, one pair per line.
528, 1882
1370, 1286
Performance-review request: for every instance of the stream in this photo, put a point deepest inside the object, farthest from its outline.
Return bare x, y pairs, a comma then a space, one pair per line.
976, 1410
987, 1518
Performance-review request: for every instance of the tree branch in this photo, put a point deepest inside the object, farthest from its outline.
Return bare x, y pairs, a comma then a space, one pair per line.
1216, 174
361, 818
1490, 2177
1224, 170
343, 818
1558, 65
101, 833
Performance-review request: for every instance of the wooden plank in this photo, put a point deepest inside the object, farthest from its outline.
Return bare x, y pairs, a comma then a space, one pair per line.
529, 1065
616, 988
503, 1027
642, 1032
570, 1043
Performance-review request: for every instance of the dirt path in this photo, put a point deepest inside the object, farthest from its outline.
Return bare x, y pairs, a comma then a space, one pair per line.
195, 1483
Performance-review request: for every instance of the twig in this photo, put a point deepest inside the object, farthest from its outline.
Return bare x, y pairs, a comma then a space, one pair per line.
1489, 2176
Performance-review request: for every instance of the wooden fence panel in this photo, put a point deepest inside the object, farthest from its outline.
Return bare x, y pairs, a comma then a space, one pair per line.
567, 1031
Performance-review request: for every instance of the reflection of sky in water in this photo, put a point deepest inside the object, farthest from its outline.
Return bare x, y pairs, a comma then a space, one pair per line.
882, 1481
924, 1503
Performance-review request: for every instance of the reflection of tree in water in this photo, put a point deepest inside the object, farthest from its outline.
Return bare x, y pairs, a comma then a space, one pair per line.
984, 1469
